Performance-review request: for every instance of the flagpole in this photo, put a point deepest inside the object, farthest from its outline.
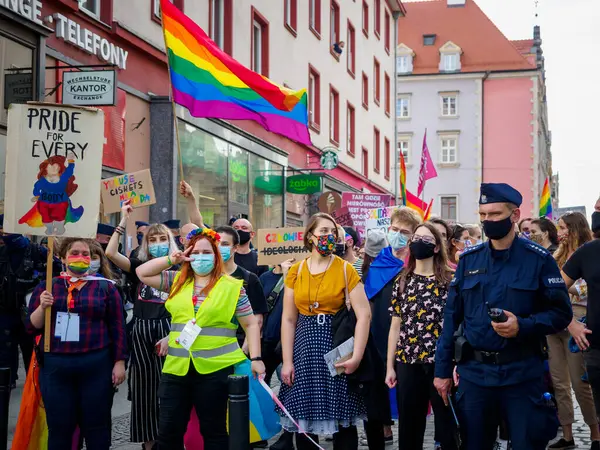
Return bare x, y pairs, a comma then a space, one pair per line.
172, 99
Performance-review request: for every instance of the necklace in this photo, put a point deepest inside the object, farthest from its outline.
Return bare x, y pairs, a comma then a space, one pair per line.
314, 305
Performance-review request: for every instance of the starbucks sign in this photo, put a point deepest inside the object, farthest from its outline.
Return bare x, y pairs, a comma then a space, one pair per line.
304, 184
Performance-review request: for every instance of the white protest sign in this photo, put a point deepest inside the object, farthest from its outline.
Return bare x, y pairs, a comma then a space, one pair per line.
54, 166
379, 218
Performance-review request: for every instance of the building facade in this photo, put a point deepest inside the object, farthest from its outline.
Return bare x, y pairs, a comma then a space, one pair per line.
236, 167
482, 100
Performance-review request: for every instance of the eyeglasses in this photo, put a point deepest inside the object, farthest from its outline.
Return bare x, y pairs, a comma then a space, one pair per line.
427, 239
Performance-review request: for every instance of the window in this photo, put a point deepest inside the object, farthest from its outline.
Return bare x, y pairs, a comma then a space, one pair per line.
376, 150
449, 105
387, 32
450, 62
449, 208
365, 90
402, 64
386, 93
365, 162
91, 7
350, 49
314, 15
449, 149
404, 59
386, 167
334, 27
350, 130
429, 39
334, 116
403, 106
260, 44
377, 17
404, 148
376, 81
290, 13
365, 18
314, 99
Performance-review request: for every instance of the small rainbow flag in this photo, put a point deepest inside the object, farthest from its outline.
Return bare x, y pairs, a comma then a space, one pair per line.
546, 201
414, 202
210, 83
403, 178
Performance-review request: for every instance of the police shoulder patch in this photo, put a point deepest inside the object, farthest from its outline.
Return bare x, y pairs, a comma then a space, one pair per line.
554, 281
536, 248
475, 249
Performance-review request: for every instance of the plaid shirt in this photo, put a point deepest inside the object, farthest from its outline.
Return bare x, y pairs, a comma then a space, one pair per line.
101, 319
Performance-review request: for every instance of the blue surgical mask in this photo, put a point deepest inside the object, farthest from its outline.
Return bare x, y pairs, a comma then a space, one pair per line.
225, 253
203, 264
479, 242
95, 265
397, 240
158, 250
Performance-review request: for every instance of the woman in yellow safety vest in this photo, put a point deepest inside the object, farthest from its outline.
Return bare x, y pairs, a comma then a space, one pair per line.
206, 306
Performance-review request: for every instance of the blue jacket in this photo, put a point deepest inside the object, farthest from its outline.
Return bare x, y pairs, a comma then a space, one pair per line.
524, 280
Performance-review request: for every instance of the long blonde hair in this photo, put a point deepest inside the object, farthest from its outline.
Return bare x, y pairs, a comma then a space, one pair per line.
578, 234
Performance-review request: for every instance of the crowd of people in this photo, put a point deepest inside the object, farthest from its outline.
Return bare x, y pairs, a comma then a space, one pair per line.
491, 336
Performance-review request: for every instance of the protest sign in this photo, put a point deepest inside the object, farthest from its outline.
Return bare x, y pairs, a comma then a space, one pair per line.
54, 153
379, 218
275, 245
343, 217
359, 206
136, 187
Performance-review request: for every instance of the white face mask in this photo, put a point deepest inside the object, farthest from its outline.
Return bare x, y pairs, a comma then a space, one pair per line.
95, 265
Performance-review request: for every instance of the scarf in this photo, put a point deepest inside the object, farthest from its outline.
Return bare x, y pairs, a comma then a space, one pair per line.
383, 269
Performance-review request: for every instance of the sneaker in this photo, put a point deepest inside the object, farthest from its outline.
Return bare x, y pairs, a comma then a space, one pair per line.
437, 446
562, 444
389, 440
501, 445
285, 442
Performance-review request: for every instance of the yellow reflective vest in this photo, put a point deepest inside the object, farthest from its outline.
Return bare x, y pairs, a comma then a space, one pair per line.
216, 347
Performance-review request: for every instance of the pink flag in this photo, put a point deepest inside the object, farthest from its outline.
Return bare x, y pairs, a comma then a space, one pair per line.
427, 170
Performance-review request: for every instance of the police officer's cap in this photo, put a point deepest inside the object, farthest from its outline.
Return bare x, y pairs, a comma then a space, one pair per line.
499, 193
141, 223
105, 229
172, 224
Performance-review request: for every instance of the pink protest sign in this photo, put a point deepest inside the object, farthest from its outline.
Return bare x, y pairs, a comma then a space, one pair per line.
359, 206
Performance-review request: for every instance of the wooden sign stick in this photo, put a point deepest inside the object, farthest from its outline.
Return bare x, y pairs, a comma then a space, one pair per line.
48, 311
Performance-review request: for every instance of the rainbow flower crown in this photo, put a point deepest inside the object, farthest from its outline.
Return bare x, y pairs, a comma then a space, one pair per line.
207, 232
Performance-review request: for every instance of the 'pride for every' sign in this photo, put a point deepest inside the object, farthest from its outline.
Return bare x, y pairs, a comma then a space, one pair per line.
275, 245
136, 187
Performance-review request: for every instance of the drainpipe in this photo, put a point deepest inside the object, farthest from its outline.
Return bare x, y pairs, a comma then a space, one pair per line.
396, 15
485, 77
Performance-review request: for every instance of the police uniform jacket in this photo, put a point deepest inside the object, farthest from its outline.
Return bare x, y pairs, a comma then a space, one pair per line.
524, 280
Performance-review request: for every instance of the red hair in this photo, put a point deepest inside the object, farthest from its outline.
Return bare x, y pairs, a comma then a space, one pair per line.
186, 274
60, 160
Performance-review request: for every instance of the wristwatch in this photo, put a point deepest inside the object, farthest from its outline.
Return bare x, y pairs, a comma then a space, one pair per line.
256, 358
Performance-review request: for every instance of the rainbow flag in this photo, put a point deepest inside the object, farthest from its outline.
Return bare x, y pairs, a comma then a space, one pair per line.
546, 201
428, 211
403, 179
210, 83
414, 202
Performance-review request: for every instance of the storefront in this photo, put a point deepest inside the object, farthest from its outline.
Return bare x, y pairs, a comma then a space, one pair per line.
233, 174
22, 37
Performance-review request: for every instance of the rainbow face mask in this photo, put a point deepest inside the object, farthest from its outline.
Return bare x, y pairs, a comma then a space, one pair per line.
78, 265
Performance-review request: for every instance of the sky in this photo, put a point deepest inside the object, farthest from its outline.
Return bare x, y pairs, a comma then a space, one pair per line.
570, 31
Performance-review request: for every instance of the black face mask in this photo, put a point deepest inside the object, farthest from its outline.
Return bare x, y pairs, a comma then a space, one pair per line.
422, 249
596, 221
244, 237
140, 238
499, 229
340, 250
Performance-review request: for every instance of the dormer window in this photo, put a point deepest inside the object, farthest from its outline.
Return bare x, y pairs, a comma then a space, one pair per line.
429, 39
450, 57
404, 60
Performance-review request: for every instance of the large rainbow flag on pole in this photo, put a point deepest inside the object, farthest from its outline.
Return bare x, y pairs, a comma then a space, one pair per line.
546, 201
210, 83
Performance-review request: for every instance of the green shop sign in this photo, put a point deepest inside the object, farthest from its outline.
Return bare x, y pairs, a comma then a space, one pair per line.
304, 184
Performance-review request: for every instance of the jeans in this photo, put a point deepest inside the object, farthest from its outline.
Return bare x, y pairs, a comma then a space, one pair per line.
592, 363
77, 390
414, 392
207, 393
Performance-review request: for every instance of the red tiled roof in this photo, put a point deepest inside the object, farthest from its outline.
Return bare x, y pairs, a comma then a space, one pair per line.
483, 44
524, 46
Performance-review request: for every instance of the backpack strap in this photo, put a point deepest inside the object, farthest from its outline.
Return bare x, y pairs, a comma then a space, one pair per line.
346, 293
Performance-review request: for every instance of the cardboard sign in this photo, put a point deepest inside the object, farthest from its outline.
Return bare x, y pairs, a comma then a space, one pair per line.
379, 218
343, 217
359, 206
54, 153
275, 245
136, 186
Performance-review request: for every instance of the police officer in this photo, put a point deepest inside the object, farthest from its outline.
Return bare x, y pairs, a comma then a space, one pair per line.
517, 283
